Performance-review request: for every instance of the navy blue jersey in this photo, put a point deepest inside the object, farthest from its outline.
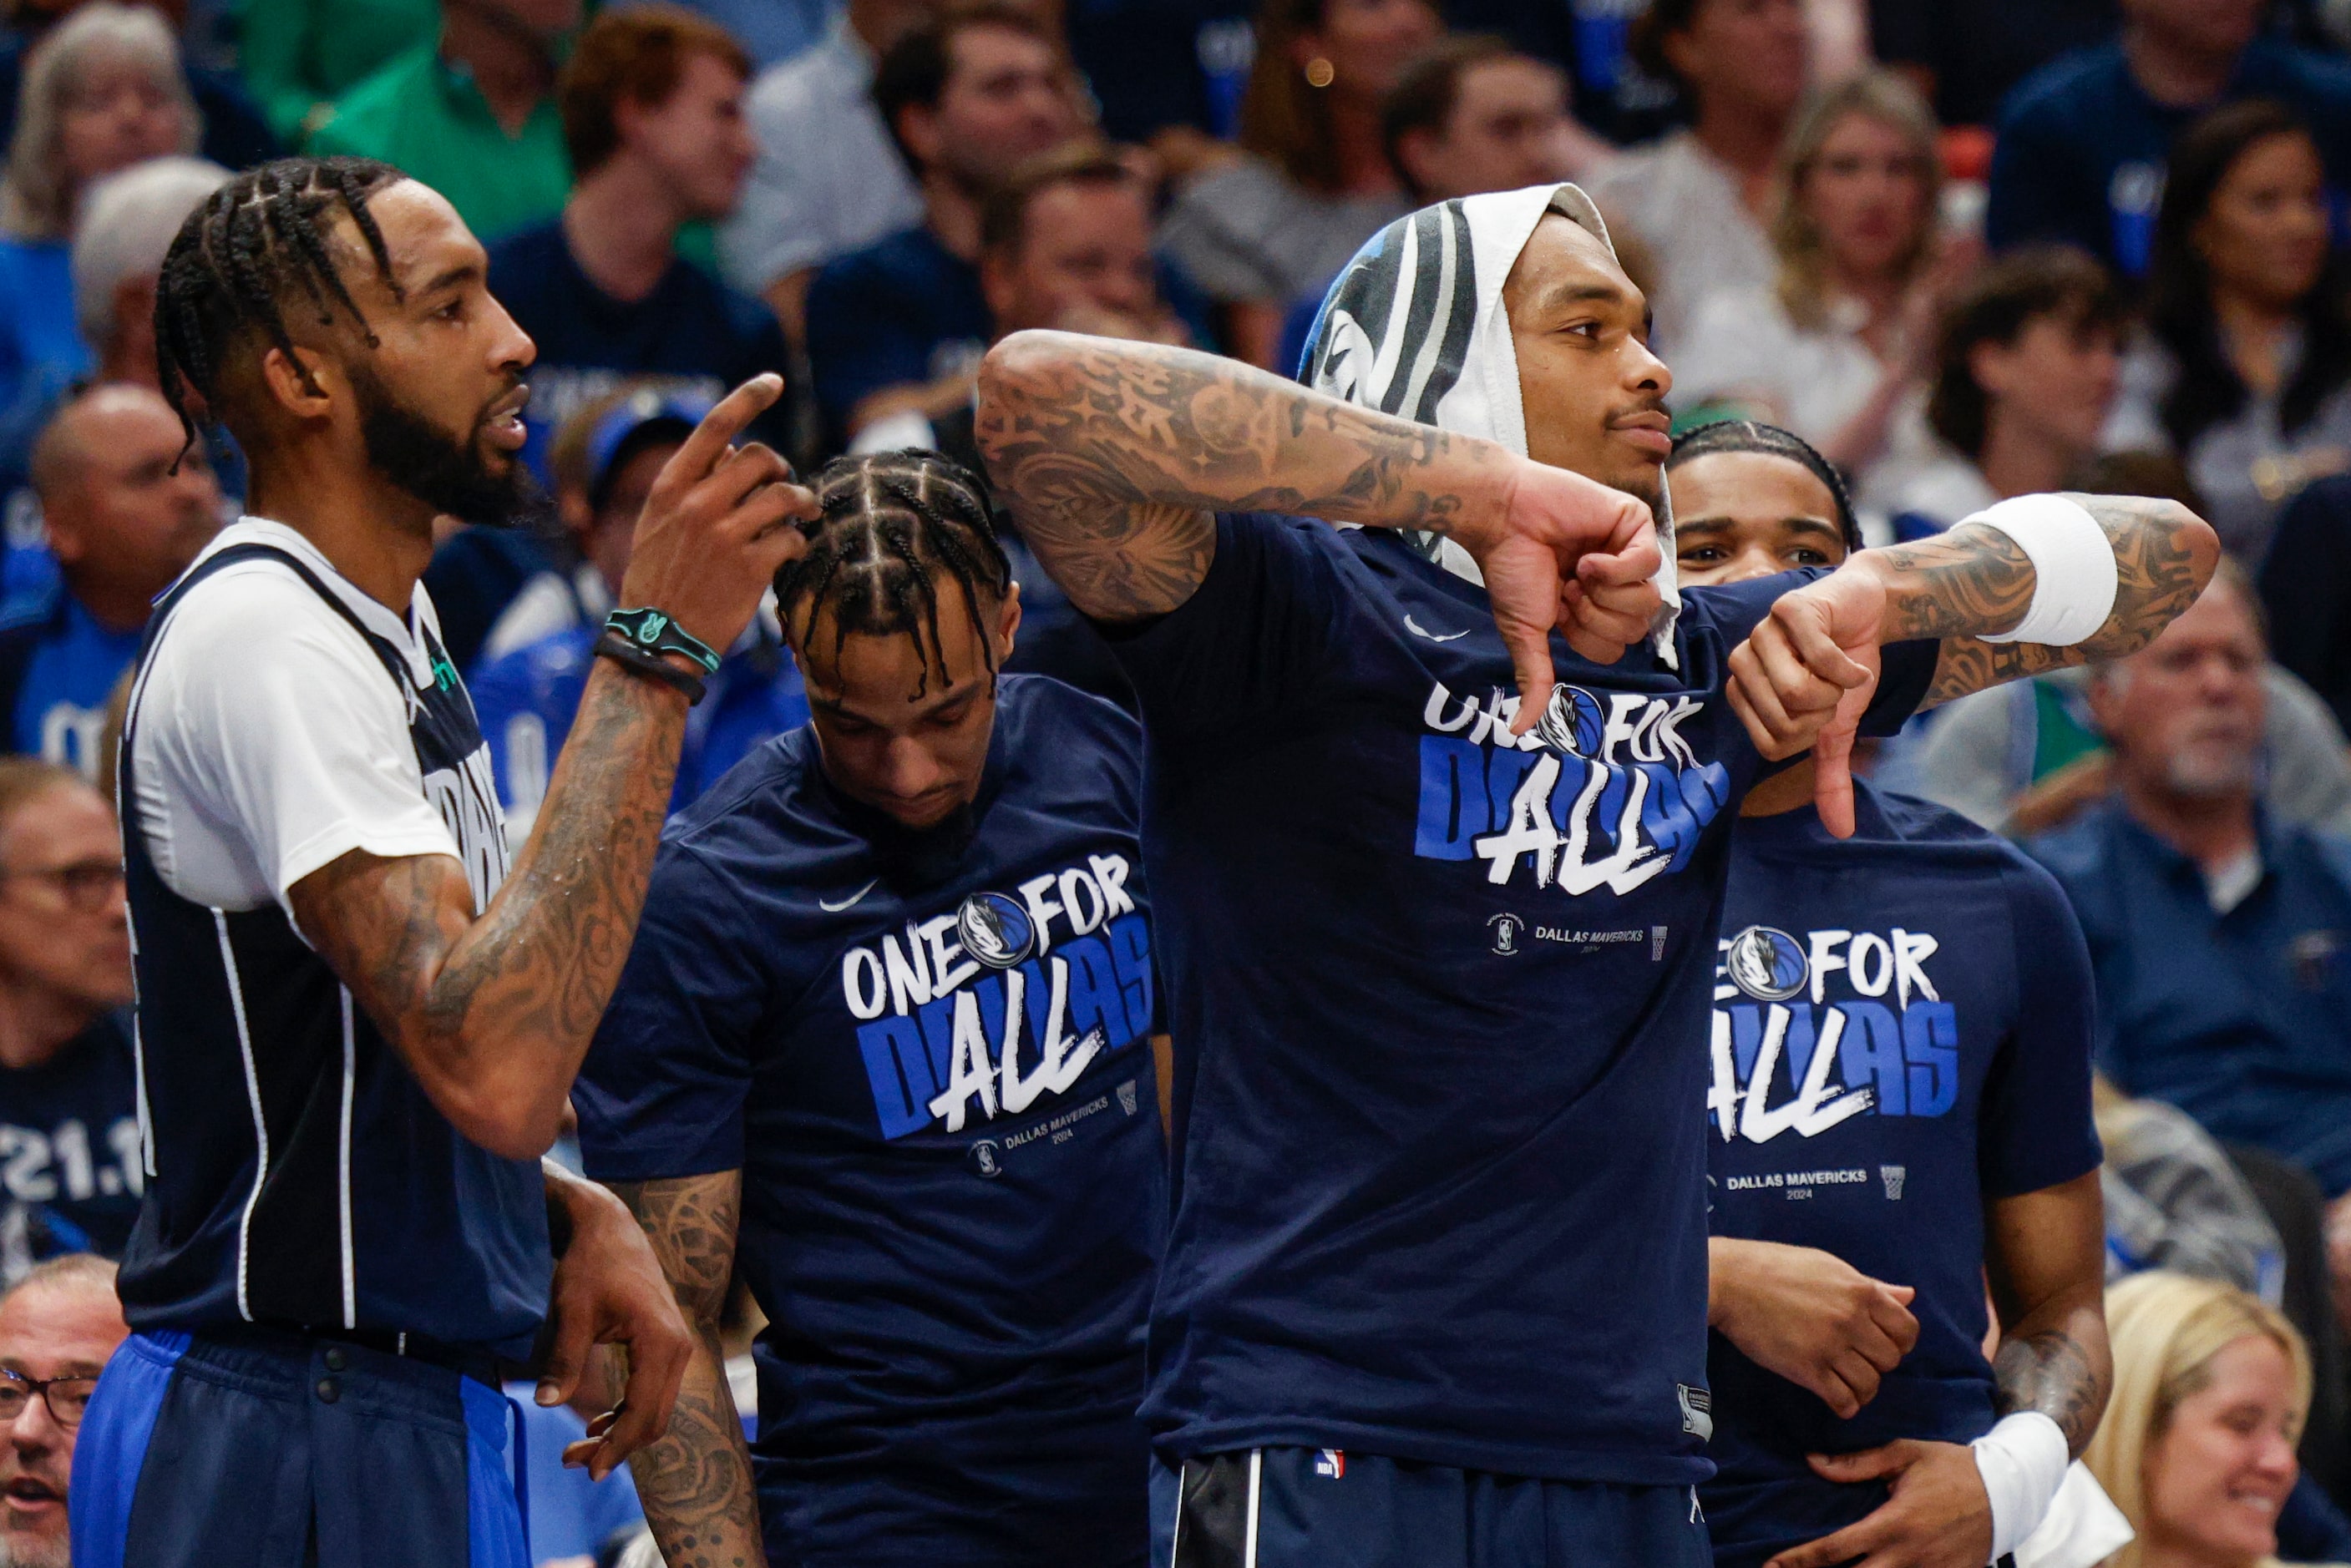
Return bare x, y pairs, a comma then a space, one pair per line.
928, 1054
70, 1142
692, 334
1441, 1156
297, 1176
1901, 1031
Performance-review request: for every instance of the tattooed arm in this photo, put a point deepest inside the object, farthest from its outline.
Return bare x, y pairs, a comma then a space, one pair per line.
492, 1014
1804, 675
1113, 455
695, 1482
2045, 1254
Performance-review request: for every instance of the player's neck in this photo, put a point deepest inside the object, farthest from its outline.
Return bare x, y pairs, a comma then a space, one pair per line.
379, 538
1780, 794
2210, 829
2172, 74
35, 1024
620, 226
2020, 459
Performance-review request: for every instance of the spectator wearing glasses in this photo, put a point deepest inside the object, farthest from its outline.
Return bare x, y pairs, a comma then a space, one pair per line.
58, 1328
67, 1100
125, 513
652, 114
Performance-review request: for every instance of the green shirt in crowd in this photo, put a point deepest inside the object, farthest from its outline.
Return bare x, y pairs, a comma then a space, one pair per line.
298, 56
426, 116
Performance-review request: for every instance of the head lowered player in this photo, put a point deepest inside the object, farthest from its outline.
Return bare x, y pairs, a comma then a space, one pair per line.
1901, 1092
358, 1028
886, 1047
1436, 1288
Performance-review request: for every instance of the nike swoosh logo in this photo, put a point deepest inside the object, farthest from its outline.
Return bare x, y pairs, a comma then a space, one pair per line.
829, 907
1418, 629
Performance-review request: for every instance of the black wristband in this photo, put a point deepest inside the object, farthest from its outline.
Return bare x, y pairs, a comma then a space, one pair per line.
619, 649
657, 631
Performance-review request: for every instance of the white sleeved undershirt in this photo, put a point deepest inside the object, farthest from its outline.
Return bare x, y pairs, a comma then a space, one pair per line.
269, 737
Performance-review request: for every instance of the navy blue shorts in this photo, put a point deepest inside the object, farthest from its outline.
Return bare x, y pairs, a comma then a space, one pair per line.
282, 1452
1318, 1508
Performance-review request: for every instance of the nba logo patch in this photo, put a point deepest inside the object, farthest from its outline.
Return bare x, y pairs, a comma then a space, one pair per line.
1331, 1462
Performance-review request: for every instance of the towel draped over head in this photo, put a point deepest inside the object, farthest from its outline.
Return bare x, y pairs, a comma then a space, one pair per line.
1415, 328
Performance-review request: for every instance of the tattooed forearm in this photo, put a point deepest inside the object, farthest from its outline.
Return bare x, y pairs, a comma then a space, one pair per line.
2052, 1372
494, 1015
1973, 581
1112, 455
695, 1482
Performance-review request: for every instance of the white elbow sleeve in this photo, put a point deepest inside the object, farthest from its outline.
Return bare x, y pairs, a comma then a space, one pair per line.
2073, 567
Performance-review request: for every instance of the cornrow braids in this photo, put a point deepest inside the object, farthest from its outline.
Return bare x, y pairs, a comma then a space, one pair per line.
892, 524
1770, 440
256, 242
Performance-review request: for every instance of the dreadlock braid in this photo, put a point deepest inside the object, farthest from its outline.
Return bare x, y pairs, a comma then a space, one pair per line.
894, 524
257, 240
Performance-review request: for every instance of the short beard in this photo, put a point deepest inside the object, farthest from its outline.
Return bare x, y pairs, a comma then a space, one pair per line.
22, 1549
447, 473
2209, 772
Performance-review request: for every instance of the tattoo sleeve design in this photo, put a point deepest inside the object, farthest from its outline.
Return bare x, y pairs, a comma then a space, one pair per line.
1112, 455
495, 1013
1976, 580
2050, 1371
695, 1480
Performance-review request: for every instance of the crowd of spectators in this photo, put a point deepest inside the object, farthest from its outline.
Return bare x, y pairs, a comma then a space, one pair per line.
1971, 249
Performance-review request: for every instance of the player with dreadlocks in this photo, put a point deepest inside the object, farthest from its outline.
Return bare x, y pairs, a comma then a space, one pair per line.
881, 1051
358, 1027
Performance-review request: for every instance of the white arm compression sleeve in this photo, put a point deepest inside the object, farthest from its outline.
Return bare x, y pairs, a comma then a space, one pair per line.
2022, 1462
2073, 567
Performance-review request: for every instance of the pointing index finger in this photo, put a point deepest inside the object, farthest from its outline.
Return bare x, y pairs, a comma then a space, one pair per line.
722, 424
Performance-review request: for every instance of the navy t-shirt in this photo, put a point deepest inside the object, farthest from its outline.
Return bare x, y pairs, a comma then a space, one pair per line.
70, 1142
1901, 1031
930, 1058
902, 311
692, 334
2081, 147
1441, 1163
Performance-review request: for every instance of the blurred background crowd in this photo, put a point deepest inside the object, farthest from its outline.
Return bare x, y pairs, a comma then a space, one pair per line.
1971, 249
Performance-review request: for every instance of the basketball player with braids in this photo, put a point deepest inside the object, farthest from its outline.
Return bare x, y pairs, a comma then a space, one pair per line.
357, 1024
1899, 1109
887, 1049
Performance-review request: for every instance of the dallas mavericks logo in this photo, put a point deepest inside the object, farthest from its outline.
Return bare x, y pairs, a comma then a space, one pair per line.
1573, 722
1766, 963
995, 929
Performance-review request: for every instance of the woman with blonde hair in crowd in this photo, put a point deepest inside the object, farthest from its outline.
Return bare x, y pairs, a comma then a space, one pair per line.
1313, 182
102, 90
1835, 348
2196, 1447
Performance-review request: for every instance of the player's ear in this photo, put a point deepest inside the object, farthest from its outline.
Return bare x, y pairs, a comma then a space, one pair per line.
302, 384
1007, 623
